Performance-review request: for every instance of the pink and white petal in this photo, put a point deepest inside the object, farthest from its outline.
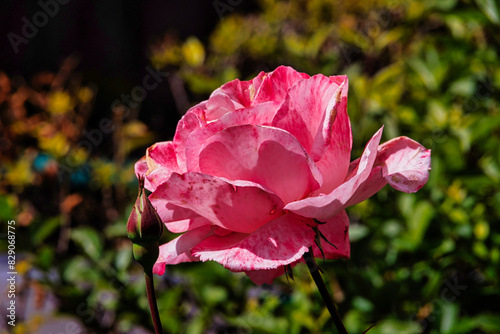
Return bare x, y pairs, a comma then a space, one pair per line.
156, 177
324, 207
261, 114
280, 242
179, 249
276, 84
218, 105
159, 268
372, 185
141, 167
241, 93
336, 231
334, 162
192, 120
241, 207
162, 154
401, 162
405, 164
265, 276
176, 218
187, 224
161, 159
304, 112
336, 105
268, 156
232, 96
334, 165
254, 88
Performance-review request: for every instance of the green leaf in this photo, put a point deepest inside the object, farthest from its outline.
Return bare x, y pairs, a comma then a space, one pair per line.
80, 270
357, 232
123, 257
214, 294
45, 257
417, 224
118, 228
488, 322
448, 317
89, 241
7, 206
393, 326
43, 230
354, 321
490, 9
463, 325
195, 325
362, 304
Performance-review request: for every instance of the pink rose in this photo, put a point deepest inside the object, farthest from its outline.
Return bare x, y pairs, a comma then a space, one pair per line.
254, 168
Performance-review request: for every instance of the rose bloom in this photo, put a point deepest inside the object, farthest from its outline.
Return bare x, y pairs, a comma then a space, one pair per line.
255, 168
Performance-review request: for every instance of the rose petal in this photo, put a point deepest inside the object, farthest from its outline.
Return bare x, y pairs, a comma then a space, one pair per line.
192, 120
334, 162
402, 162
261, 114
336, 104
405, 164
327, 206
162, 154
176, 218
237, 206
264, 155
179, 249
218, 105
161, 161
276, 84
265, 276
309, 111
141, 167
241, 93
336, 231
278, 243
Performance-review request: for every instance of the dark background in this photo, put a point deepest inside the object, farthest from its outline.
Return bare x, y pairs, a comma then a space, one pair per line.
111, 40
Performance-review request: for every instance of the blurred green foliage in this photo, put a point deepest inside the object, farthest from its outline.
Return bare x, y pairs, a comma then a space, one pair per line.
421, 263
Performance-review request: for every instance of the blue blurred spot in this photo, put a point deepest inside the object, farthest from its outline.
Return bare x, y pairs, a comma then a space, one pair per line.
80, 176
41, 162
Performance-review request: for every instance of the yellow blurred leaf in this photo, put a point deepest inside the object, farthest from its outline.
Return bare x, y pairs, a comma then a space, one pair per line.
20, 173
482, 230
193, 52
104, 173
22, 267
85, 94
59, 103
77, 156
57, 144
168, 55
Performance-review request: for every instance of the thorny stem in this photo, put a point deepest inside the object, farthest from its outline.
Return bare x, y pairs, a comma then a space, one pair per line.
327, 299
153, 307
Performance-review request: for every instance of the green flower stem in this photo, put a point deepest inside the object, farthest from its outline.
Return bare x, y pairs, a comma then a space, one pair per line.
153, 307
327, 299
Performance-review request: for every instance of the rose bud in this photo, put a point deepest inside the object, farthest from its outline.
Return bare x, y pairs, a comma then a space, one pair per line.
144, 228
